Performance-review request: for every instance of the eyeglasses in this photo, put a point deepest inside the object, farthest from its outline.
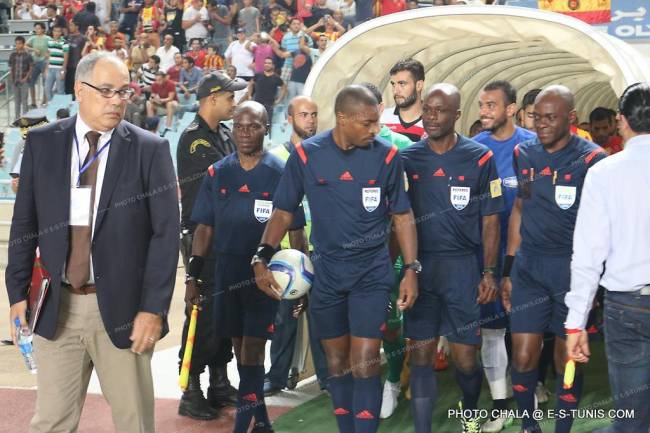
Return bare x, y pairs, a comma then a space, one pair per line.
109, 93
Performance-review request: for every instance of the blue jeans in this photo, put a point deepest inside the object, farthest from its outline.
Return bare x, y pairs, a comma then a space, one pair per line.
53, 78
37, 70
627, 345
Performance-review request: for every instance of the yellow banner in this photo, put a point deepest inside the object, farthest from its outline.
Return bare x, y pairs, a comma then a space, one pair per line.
591, 11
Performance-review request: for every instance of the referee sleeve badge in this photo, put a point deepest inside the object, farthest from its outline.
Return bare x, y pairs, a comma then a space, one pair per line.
495, 188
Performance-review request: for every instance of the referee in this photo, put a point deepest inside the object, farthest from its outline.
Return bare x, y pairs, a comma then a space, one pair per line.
613, 226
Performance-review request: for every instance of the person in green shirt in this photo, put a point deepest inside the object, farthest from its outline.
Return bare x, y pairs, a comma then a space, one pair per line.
37, 46
394, 343
57, 63
302, 115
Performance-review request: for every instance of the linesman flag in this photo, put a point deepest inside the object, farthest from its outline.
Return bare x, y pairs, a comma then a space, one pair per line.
590, 11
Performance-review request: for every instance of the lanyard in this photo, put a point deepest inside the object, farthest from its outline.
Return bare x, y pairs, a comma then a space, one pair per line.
95, 156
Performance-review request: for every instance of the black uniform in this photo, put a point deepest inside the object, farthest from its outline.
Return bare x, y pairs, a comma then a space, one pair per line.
198, 148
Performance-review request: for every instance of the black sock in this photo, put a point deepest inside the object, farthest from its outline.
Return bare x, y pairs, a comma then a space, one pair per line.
567, 399
341, 389
423, 396
470, 384
367, 403
523, 385
246, 397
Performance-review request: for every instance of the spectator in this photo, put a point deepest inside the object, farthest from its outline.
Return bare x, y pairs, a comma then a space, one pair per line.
318, 11
120, 51
28, 10
213, 61
240, 57
87, 18
322, 44
167, 52
94, 41
195, 19
135, 106
348, 10
291, 43
151, 124
149, 20
172, 24
71, 8
54, 19
220, 21
364, 10
20, 68
62, 113
163, 99
114, 34
330, 28
197, 53
303, 9
261, 49
130, 12
140, 52
76, 43
267, 88
103, 10
147, 73
37, 45
391, 6
174, 72
602, 126
249, 18
240, 95
189, 77
412, 4
58, 53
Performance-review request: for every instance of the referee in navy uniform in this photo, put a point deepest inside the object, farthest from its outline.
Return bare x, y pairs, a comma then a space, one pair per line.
613, 226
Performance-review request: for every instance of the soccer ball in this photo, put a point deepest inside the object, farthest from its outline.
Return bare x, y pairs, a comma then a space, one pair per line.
293, 271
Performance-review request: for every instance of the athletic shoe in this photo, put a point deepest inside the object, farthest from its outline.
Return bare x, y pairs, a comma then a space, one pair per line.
389, 402
496, 425
542, 393
262, 428
469, 425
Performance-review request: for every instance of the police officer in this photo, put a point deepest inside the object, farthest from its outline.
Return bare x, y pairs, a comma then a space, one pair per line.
550, 173
455, 189
234, 203
354, 184
204, 142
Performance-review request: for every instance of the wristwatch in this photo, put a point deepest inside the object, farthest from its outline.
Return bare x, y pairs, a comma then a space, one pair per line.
415, 265
257, 259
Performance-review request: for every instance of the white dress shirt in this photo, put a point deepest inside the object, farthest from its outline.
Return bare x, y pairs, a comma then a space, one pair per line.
167, 57
613, 226
81, 129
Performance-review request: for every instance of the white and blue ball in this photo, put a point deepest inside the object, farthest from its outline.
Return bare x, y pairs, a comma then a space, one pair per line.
293, 271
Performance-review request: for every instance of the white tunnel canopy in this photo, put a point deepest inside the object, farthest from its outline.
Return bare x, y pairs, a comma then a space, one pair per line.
470, 46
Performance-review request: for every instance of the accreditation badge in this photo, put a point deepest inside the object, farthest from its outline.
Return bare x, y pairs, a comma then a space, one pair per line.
371, 198
80, 204
565, 196
459, 196
262, 210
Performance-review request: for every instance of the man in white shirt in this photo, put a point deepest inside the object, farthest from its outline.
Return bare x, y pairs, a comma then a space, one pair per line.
240, 57
167, 53
194, 21
613, 227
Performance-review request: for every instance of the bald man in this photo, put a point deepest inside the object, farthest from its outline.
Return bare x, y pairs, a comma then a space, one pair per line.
234, 203
355, 186
109, 239
550, 172
455, 189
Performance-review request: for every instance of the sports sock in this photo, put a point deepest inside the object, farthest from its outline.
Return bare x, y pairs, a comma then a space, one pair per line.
341, 389
367, 404
470, 384
423, 396
523, 385
567, 399
261, 413
246, 396
394, 351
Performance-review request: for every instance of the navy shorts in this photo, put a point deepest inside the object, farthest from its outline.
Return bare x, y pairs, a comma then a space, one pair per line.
446, 305
351, 297
539, 284
240, 307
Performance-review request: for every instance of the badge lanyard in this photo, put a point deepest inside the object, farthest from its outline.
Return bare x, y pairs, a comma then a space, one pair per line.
88, 164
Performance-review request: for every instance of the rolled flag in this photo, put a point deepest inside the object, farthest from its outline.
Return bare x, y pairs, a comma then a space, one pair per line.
189, 345
569, 374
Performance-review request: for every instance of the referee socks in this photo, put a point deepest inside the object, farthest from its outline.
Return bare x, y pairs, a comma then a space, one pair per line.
470, 384
250, 396
367, 404
567, 400
523, 385
423, 396
341, 389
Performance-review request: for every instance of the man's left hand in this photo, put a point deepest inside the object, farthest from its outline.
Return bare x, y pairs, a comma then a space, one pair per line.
487, 289
147, 328
577, 346
300, 306
408, 290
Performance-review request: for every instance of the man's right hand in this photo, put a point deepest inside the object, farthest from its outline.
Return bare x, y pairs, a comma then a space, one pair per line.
19, 309
506, 293
192, 295
265, 281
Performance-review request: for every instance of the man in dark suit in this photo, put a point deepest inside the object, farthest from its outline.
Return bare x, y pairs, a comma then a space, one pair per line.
98, 197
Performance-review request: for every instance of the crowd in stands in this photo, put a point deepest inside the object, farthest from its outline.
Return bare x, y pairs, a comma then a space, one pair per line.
169, 45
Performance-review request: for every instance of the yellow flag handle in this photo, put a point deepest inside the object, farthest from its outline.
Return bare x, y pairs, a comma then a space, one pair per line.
569, 374
189, 345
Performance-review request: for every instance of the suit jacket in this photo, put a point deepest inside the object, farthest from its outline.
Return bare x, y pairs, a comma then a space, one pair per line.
135, 242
